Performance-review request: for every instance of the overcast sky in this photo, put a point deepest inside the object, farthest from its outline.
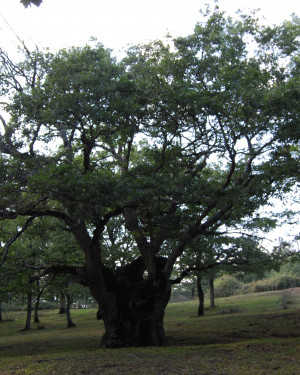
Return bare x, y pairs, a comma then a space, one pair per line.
117, 23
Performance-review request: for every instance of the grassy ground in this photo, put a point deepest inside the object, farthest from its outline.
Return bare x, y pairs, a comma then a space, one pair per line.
256, 334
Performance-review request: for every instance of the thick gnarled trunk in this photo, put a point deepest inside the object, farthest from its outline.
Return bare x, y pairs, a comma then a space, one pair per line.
139, 317
131, 306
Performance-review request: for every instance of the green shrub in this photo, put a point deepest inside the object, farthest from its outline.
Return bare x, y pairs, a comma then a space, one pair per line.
278, 282
290, 269
48, 305
13, 306
227, 286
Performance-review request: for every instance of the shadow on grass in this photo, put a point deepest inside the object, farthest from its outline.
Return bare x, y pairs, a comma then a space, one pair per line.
207, 330
233, 321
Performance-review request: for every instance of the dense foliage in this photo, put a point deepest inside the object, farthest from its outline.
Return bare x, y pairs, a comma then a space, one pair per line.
27, 3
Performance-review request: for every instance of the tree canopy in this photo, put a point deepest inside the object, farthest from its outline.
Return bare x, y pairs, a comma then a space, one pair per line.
174, 143
26, 3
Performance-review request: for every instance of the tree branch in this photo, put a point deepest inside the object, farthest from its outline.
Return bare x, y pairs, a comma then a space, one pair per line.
14, 238
101, 223
202, 268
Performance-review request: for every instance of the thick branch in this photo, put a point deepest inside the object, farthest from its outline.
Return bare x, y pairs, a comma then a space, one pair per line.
78, 273
38, 213
132, 225
102, 223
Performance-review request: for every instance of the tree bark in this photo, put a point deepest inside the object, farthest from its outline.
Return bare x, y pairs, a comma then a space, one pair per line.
212, 293
29, 310
193, 292
131, 304
200, 295
37, 304
62, 308
36, 311
132, 307
98, 314
68, 313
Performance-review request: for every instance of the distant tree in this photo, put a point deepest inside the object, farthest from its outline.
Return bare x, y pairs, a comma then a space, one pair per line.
40, 290
70, 322
207, 257
29, 308
6, 275
172, 142
62, 303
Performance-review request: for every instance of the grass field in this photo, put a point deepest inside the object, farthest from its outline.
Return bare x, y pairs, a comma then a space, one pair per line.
257, 334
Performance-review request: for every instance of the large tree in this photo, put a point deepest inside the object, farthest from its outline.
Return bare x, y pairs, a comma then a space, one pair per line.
172, 142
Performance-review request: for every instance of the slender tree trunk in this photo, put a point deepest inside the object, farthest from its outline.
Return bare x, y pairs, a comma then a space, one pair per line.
62, 308
38, 299
200, 295
36, 311
68, 313
29, 310
193, 292
36, 308
1, 318
212, 292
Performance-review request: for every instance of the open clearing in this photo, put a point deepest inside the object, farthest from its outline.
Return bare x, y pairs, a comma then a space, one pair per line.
257, 334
